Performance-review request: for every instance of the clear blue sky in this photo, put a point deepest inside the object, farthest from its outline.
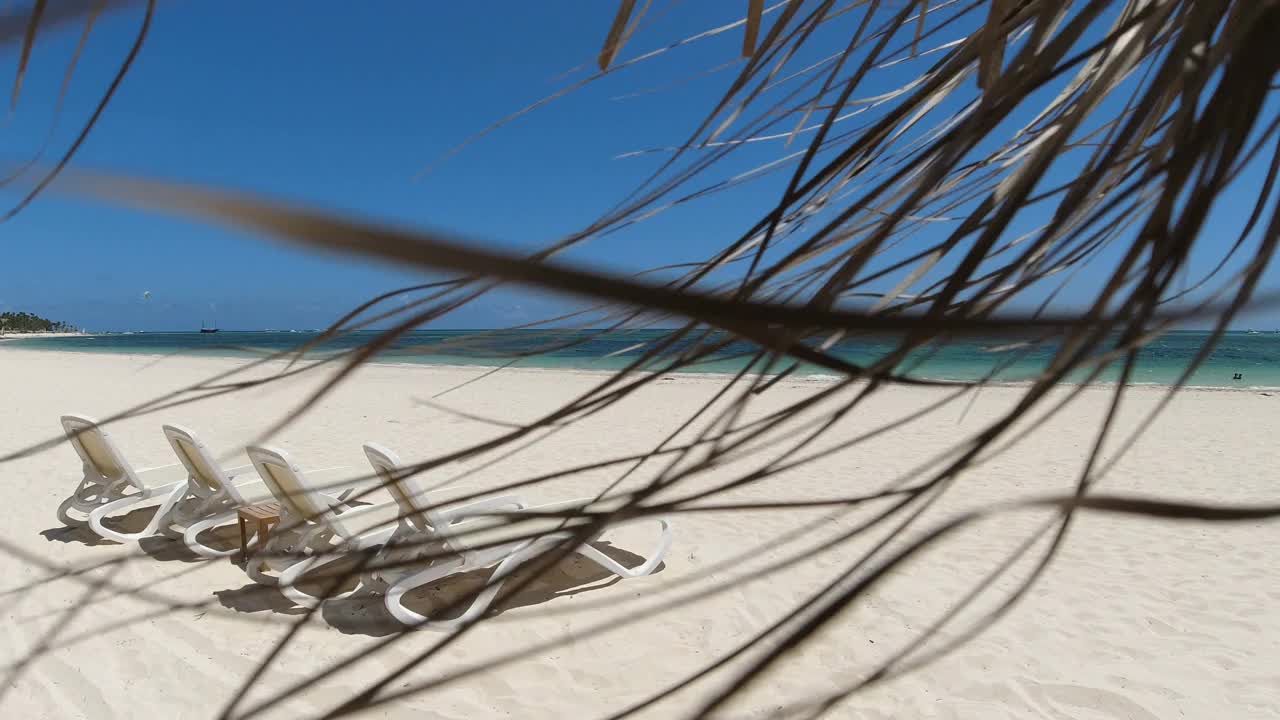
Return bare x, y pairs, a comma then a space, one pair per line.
340, 104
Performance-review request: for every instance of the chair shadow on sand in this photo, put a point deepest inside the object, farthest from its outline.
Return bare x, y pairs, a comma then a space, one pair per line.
159, 547
363, 613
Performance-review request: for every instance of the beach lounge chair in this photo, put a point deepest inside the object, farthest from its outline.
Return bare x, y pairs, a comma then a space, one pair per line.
111, 484
315, 527
451, 535
219, 492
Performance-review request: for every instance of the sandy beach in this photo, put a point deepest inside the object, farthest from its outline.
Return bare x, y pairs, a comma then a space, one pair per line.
1136, 619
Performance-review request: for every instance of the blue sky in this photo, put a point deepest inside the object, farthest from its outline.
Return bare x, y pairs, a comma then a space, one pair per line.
341, 105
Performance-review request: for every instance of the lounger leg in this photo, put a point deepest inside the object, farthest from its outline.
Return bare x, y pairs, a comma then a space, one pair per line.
318, 542
89, 495
486, 597
393, 599
191, 536
278, 545
162, 514
64, 514
479, 605
289, 579
613, 566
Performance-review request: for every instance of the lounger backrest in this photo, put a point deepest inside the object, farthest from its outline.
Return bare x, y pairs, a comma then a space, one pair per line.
286, 482
415, 505
206, 477
96, 450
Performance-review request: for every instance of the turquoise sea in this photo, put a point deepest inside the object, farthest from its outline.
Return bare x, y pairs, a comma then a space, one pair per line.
1255, 355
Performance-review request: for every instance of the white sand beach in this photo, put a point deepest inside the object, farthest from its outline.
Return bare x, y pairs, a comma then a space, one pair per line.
1136, 619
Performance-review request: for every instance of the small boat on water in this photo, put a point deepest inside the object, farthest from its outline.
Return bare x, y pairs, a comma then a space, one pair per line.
204, 329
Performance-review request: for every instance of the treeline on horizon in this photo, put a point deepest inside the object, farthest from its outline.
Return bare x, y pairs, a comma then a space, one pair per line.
26, 322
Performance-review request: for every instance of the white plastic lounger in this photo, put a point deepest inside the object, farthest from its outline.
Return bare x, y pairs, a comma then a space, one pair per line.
220, 492
111, 484
422, 524
314, 527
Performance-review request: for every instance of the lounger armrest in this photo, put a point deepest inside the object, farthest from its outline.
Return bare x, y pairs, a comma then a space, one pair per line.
341, 484
339, 502
575, 504
372, 537
332, 479
343, 510
156, 467
240, 470
483, 506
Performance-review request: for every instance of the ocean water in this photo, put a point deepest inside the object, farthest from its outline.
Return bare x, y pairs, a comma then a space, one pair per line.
1255, 355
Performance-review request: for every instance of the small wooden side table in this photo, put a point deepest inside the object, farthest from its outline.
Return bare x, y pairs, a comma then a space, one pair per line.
265, 515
